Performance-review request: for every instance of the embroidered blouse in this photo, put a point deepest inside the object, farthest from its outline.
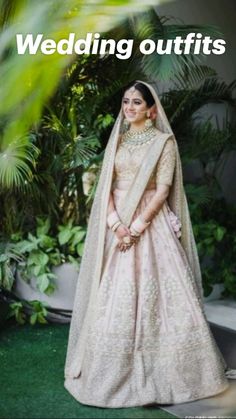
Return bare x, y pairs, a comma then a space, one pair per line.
127, 163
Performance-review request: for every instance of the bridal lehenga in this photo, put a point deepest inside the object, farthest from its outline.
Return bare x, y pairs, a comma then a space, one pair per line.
139, 334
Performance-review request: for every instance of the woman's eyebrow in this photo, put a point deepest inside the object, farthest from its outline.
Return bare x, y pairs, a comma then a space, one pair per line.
135, 98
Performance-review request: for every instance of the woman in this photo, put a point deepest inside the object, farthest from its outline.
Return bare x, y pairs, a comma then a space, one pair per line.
138, 333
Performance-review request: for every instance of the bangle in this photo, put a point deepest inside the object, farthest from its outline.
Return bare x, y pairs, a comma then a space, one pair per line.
134, 232
116, 225
112, 218
139, 225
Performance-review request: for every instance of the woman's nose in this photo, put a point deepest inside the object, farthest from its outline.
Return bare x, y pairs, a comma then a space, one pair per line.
130, 106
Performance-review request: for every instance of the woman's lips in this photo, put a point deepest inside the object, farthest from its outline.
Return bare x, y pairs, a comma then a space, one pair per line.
130, 114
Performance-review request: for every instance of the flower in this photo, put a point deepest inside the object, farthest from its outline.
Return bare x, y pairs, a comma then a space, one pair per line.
175, 223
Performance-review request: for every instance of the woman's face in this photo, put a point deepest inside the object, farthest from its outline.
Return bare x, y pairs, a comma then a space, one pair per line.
134, 107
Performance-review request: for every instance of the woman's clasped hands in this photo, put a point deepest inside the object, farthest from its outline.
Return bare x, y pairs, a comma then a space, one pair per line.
126, 238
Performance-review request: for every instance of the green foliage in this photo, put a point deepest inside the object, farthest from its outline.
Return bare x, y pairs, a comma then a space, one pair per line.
214, 230
68, 139
207, 141
17, 162
55, 128
33, 311
17, 310
72, 237
151, 26
39, 252
182, 103
36, 80
36, 255
198, 195
68, 126
209, 234
9, 257
39, 314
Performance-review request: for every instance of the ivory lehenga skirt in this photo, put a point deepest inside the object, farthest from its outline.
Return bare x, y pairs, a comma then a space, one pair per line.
150, 341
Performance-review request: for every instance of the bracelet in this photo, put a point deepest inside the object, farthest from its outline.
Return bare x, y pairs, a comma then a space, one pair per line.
112, 218
134, 232
116, 225
139, 225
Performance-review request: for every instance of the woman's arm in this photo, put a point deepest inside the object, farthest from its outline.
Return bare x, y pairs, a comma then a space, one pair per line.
164, 178
111, 206
112, 218
156, 202
151, 210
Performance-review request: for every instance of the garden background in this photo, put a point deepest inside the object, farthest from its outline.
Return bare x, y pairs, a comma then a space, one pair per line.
56, 113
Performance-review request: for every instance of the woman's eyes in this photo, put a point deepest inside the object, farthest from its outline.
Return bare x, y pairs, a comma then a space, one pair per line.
136, 102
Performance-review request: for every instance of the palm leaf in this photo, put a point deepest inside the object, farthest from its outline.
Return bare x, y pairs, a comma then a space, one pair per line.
16, 163
182, 104
207, 142
193, 78
80, 152
36, 79
199, 195
150, 26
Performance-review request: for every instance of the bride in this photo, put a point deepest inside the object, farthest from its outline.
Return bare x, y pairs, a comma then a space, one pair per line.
139, 334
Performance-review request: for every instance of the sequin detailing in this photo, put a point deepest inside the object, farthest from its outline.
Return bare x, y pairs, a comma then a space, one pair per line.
166, 164
140, 377
150, 341
127, 163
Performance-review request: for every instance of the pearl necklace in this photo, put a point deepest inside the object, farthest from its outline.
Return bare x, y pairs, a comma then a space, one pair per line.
132, 139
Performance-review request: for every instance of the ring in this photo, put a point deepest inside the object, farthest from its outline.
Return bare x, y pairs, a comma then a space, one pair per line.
126, 240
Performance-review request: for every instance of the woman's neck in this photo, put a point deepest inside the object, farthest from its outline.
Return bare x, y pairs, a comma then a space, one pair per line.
137, 127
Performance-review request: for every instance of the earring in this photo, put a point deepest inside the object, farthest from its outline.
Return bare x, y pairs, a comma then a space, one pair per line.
126, 124
148, 123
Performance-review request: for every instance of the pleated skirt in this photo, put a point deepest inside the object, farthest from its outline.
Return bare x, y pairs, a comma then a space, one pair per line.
150, 341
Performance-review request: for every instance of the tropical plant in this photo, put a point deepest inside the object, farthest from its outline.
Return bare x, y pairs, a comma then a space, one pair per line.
149, 25
36, 311
63, 127
106, 74
214, 230
36, 79
9, 258
36, 255
208, 141
42, 251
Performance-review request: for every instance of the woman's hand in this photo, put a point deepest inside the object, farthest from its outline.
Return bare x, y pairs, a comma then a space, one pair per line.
121, 232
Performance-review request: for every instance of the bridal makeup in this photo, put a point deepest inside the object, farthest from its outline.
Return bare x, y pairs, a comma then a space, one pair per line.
134, 108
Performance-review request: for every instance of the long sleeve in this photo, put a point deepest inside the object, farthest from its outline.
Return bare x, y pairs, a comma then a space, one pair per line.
166, 164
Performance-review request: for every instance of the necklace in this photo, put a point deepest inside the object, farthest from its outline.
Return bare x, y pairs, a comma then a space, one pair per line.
132, 139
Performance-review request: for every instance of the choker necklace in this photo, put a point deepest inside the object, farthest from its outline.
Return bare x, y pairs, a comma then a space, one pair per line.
133, 139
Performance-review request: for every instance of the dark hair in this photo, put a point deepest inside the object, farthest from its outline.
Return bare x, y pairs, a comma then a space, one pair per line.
143, 89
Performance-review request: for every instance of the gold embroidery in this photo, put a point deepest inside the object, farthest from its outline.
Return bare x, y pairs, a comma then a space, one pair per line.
166, 164
127, 163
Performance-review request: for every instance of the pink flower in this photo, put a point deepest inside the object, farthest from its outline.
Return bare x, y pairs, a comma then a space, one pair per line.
175, 223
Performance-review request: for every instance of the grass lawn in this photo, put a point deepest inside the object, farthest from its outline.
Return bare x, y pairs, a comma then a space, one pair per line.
32, 375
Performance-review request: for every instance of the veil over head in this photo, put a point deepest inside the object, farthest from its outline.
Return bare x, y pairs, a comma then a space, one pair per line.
92, 260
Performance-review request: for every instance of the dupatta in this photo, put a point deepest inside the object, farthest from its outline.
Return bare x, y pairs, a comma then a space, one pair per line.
93, 255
